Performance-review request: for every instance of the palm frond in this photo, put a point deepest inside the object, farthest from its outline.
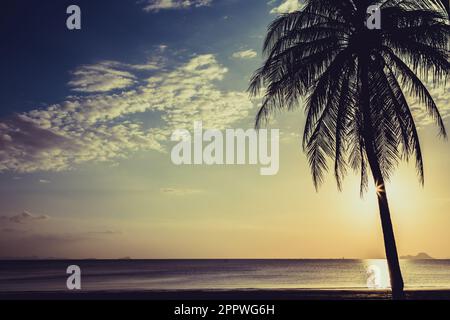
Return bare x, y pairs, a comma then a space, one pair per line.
353, 81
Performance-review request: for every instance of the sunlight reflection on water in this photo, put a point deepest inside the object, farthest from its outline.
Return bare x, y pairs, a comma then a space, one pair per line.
377, 274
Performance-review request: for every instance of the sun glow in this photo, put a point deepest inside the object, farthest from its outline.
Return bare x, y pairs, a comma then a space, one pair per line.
380, 189
377, 274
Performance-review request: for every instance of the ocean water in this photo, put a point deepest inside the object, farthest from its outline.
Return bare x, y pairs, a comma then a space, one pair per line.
137, 275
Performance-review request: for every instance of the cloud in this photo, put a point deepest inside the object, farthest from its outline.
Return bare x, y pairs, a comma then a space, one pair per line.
442, 99
180, 191
102, 77
287, 6
10, 230
105, 127
157, 5
50, 239
73, 236
246, 54
27, 244
25, 216
105, 232
106, 76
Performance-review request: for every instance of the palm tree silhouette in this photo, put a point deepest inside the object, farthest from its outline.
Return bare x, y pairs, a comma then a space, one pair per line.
355, 82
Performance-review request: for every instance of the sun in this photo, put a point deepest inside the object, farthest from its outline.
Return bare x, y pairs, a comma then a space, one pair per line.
380, 189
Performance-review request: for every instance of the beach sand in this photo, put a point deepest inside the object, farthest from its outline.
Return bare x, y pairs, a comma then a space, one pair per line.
227, 295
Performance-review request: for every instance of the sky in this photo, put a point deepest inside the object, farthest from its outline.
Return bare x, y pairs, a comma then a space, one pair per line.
85, 123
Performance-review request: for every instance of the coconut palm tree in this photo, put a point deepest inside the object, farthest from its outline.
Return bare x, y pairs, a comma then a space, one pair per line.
444, 4
355, 84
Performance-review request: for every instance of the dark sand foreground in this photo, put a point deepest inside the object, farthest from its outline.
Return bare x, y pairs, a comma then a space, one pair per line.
248, 294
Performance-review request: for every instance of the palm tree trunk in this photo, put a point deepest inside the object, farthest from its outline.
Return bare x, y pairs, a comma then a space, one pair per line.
388, 231
385, 215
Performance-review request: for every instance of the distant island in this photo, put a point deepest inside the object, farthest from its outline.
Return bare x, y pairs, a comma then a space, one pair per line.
419, 256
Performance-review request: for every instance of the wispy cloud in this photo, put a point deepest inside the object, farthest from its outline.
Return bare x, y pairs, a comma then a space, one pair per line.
10, 230
102, 77
180, 191
245, 54
157, 5
105, 232
287, 6
25, 216
103, 127
442, 99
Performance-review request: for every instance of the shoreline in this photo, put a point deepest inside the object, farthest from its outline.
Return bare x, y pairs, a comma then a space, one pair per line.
247, 294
